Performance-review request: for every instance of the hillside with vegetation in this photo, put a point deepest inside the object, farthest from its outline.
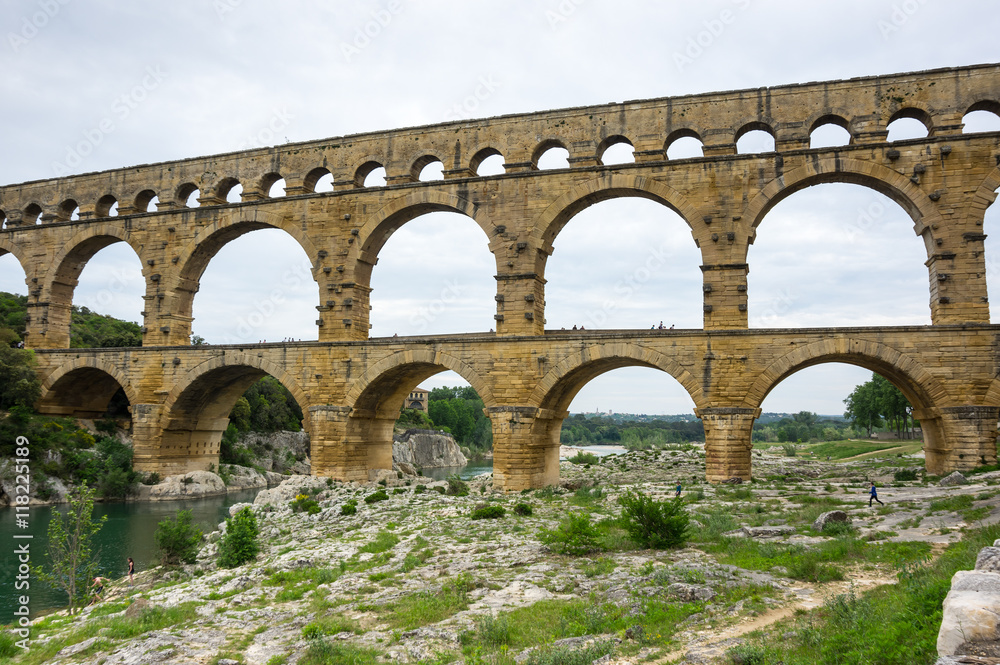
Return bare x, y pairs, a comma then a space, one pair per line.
88, 330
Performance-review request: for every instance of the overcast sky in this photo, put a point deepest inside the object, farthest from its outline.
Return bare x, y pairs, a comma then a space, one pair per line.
182, 79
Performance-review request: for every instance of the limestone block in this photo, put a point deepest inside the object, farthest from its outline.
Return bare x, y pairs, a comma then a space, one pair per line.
953, 479
829, 517
971, 611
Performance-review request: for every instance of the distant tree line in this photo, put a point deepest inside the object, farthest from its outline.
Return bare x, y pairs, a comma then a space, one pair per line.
579, 429
87, 329
803, 426
877, 403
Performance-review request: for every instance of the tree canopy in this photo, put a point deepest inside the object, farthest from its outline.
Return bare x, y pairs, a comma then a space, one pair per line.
877, 402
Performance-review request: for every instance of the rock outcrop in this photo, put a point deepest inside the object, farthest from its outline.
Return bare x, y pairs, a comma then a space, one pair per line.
191, 485
970, 625
953, 479
430, 449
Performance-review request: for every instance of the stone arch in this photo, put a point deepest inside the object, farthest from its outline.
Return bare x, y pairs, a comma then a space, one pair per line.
67, 265
196, 412
985, 195
836, 169
914, 381
199, 252
395, 365
383, 223
83, 387
555, 391
15, 250
369, 164
602, 188
838, 117
544, 146
419, 163
766, 125
613, 140
914, 110
481, 156
682, 133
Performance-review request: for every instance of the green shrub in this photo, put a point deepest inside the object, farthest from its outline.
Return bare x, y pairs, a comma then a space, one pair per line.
522, 509
575, 535
654, 524
905, 474
789, 449
349, 508
304, 503
239, 543
420, 489
375, 497
488, 512
8, 649
584, 458
177, 539
152, 479
457, 486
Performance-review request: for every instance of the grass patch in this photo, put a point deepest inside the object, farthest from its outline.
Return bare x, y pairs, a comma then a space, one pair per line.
384, 541
952, 503
296, 583
323, 652
842, 449
426, 607
896, 624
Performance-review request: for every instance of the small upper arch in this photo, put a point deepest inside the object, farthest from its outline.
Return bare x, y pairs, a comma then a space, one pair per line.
226, 186
544, 147
317, 178
188, 194
32, 214
901, 125
621, 150
983, 116
366, 169
146, 200
268, 182
69, 210
426, 167
754, 137
684, 143
107, 206
830, 130
481, 156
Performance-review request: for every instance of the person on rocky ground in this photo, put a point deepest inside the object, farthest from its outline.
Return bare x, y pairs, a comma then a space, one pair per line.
98, 587
873, 496
131, 571
678, 490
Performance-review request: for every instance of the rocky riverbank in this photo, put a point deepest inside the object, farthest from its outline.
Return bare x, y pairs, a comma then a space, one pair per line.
413, 578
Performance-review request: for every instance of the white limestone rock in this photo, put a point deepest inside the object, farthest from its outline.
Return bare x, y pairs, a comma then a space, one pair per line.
971, 612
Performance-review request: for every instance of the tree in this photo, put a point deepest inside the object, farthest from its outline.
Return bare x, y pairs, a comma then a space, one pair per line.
239, 543
177, 539
19, 385
862, 407
72, 560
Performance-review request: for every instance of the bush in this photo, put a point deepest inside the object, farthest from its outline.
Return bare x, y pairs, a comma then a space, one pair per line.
654, 524
575, 535
457, 486
584, 458
349, 508
239, 543
152, 479
905, 474
304, 503
177, 539
522, 509
375, 497
789, 449
488, 512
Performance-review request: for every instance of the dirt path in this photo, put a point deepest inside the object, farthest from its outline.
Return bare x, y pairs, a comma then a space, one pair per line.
713, 642
905, 448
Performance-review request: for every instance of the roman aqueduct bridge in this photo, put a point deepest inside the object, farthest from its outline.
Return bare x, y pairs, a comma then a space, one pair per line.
351, 386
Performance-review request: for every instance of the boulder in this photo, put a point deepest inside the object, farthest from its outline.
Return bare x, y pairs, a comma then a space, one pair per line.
190, 485
767, 531
988, 560
136, 608
427, 449
691, 592
952, 479
244, 478
971, 613
287, 490
828, 517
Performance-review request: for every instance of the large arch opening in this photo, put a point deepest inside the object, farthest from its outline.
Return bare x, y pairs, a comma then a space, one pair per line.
821, 258
254, 284
435, 275
626, 262
377, 411
991, 251
96, 296
840, 405
197, 416
13, 279
85, 392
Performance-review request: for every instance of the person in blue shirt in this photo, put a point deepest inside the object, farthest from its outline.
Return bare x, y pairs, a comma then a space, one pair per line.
678, 490
873, 496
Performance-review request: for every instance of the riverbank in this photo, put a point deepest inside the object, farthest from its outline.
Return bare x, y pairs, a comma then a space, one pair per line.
413, 578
